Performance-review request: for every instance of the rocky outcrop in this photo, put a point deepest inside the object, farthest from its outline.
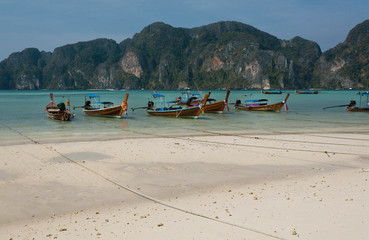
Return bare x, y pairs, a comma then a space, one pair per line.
24, 70
131, 64
346, 65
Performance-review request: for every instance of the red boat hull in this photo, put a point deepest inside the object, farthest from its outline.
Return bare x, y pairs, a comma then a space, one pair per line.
53, 111
61, 115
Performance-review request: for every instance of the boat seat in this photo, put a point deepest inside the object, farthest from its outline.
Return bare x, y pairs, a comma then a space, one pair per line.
53, 109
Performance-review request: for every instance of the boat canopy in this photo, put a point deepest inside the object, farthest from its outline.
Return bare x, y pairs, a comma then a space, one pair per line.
60, 96
155, 95
167, 102
93, 96
103, 103
364, 94
256, 100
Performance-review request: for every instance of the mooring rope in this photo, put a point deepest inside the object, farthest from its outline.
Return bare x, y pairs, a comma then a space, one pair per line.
245, 145
287, 140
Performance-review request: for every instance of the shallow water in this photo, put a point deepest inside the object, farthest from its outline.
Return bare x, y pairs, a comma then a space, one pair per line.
23, 118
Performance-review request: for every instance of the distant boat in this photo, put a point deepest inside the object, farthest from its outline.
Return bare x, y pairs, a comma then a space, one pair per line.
261, 105
59, 111
306, 92
104, 109
168, 110
271, 91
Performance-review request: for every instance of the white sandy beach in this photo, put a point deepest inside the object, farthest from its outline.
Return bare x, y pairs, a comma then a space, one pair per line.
285, 186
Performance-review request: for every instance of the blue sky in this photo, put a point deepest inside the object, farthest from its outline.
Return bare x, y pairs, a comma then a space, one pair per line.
47, 24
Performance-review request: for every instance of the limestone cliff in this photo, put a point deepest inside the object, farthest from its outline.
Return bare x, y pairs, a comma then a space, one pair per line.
131, 64
218, 55
346, 65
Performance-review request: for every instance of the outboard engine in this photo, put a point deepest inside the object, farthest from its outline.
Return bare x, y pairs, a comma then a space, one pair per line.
189, 101
150, 104
352, 103
238, 103
61, 106
87, 105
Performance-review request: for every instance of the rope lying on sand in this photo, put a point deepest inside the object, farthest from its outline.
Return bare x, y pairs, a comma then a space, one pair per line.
254, 146
149, 198
141, 194
242, 135
284, 140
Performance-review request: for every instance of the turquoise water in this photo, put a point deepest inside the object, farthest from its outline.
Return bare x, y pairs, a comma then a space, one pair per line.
22, 115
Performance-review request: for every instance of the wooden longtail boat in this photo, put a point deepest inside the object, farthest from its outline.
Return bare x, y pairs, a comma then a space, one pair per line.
58, 111
260, 105
357, 109
271, 91
95, 109
351, 107
190, 112
306, 92
211, 106
217, 106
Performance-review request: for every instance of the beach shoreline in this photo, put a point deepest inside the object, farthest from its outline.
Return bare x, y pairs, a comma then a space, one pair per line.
216, 186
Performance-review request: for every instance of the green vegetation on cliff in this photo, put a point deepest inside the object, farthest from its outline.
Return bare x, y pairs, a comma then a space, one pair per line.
346, 65
218, 55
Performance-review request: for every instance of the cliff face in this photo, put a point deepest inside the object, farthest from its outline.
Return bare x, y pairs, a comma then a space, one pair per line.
83, 65
346, 65
223, 54
23, 70
76, 66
